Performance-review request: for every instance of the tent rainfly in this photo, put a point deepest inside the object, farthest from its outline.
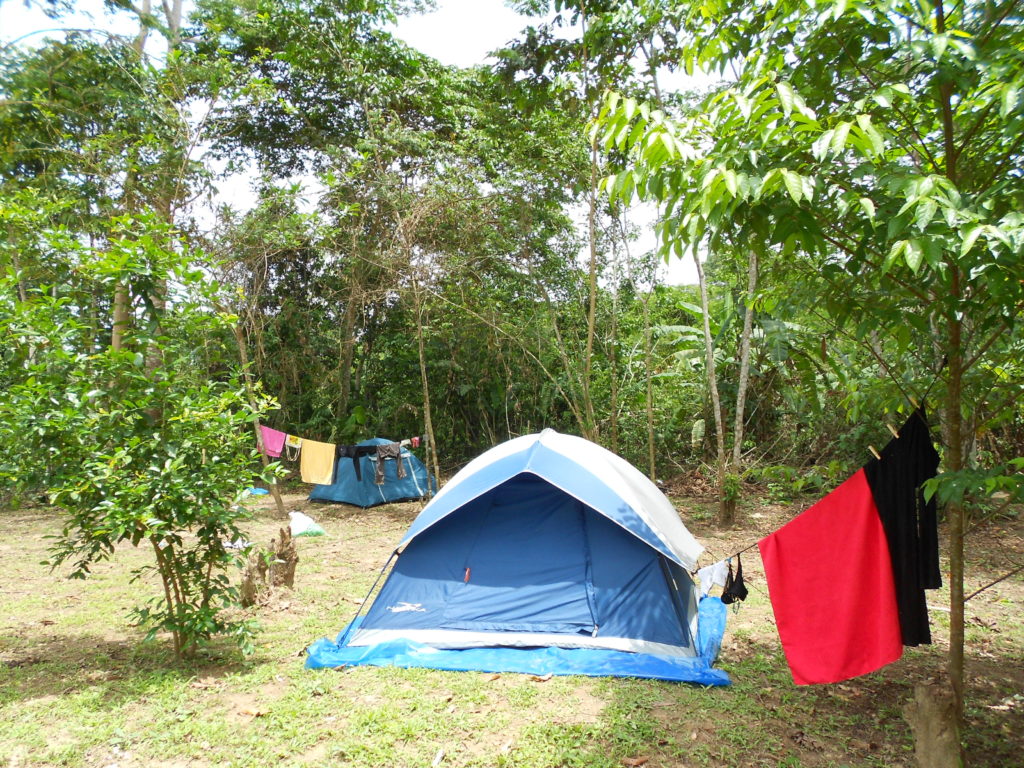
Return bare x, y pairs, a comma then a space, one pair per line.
547, 553
361, 489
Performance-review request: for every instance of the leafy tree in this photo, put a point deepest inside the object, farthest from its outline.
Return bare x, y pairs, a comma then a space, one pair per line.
428, 192
131, 456
876, 146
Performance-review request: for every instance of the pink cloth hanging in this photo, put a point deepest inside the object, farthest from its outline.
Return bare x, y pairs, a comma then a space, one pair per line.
273, 441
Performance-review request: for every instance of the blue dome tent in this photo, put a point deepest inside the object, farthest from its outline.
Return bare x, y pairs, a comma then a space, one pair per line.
545, 554
361, 490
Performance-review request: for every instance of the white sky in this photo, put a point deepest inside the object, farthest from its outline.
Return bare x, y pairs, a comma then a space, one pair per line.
460, 33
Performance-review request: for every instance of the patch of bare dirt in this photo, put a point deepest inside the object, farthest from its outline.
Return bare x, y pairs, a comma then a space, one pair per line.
588, 708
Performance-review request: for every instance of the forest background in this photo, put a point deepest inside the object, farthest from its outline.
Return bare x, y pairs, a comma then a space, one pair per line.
848, 187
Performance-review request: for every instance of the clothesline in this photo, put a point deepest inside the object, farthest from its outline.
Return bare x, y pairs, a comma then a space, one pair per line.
318, 460
895, 433
870, 573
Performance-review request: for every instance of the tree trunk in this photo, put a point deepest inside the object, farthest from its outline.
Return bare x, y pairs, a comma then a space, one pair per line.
15, 270
726, 501
268, 568
588, 404
929, 715
649, 377
348, 345
171, 592
121, 317
428, 423
741, 392
613, 363
954, 415
254, 578
955, 509
140, 39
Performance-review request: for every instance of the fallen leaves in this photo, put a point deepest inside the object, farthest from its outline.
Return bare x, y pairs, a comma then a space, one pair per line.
205, 682
977, 621
1016, 701
635, 762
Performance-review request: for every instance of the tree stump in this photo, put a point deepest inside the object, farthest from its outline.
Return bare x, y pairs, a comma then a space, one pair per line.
254, 577
284, 558
268, 568
933, 721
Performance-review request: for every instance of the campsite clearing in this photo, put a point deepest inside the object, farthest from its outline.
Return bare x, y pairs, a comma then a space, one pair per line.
79, 688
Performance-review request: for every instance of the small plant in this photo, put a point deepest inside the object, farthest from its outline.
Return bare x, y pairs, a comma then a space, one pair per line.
731, 487
786, 483
131, 443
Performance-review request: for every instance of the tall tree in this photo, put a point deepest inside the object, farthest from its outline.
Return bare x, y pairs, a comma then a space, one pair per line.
883, 165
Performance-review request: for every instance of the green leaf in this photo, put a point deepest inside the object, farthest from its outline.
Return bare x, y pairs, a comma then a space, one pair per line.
925, 213
842, 131
970, 236
869, 207
913, 254
617, 187
1010, 95
613, 100
787, 97
794, 184
871, 134
693, 309
629, 107
670, 144
821, 146
730, 181
807, 187
894, 253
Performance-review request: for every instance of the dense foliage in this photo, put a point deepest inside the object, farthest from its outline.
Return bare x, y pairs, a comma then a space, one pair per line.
426, 250
156, 457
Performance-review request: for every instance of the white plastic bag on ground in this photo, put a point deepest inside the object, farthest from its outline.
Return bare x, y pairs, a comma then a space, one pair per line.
304, 525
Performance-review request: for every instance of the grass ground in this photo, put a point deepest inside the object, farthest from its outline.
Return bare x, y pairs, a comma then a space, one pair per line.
78, 687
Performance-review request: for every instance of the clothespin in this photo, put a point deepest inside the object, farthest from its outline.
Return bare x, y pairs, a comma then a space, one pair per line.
875, 453
893, 430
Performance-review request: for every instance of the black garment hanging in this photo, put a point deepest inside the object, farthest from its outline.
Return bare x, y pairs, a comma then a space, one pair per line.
910, 523
734, 590
355, 452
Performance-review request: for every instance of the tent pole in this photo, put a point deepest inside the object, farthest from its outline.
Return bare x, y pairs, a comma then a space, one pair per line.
351, 624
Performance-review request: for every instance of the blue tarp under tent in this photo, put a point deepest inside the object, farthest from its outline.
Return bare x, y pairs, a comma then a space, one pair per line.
546, 554
360, 488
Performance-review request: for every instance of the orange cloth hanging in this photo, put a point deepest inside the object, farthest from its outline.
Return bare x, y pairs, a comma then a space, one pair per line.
316, 463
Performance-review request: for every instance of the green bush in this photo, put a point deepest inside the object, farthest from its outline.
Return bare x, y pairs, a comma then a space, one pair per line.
135, 445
